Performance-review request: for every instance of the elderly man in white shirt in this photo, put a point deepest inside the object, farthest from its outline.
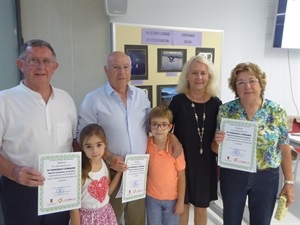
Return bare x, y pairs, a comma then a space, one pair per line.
35, 118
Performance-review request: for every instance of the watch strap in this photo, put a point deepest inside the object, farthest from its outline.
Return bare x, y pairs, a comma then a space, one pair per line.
289, 182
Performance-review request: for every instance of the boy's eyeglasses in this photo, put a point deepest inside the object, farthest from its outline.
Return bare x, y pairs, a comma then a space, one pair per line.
162, 126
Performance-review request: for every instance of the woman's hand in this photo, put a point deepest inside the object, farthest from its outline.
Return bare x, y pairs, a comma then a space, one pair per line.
289, 192
219, 137
175, 145
286, 165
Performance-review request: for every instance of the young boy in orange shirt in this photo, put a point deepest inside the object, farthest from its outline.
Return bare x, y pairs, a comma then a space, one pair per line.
166, 174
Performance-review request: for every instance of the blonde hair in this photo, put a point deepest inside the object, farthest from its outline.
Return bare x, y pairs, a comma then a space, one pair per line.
212, 87
161, 112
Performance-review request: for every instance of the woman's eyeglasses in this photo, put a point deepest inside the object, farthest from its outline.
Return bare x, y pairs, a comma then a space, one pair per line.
243, 83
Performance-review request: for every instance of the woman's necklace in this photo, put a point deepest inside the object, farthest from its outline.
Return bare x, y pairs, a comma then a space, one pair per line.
200, 130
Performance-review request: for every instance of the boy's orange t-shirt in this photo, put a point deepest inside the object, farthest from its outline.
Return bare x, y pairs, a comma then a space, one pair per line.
162, 172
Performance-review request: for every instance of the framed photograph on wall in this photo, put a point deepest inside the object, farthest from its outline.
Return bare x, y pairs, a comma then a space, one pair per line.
170, 60
208, 53
139, 61
165, 93
148, 91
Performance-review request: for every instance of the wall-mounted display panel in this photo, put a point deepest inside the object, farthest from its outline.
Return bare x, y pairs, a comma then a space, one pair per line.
158, 53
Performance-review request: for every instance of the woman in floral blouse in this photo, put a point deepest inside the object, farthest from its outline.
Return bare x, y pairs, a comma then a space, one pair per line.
248, 83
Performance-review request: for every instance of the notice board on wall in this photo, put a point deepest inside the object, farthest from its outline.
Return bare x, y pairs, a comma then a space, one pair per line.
159, 52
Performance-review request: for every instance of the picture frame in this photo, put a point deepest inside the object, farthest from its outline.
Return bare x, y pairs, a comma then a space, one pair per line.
165, 93
170, 60
208, 53
148, 91
139, 61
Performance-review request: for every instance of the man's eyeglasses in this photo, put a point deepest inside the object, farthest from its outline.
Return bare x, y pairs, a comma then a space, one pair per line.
36, 61
243, 83
162, 126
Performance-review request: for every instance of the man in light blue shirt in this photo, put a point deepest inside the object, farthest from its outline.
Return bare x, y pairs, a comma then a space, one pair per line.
122, 110
123, 113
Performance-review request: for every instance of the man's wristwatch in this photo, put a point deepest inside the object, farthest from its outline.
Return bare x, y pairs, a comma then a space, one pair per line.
109, 158
289, 182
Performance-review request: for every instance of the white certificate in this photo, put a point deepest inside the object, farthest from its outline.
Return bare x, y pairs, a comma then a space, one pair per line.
134, 179
62, 186
238, 150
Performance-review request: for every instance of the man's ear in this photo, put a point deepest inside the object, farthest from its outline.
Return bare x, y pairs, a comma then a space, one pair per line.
20, 63
106, 69
56, 65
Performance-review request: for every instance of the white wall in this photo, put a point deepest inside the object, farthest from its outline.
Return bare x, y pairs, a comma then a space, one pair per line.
9, 73
79, 31
248, 32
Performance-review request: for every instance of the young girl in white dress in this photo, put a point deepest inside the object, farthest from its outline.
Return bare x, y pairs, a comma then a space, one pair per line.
96, 185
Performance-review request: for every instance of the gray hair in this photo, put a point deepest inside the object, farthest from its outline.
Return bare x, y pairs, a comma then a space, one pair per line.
112, 54
35, 43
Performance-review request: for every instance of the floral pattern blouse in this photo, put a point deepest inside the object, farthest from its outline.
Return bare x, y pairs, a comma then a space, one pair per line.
272, 129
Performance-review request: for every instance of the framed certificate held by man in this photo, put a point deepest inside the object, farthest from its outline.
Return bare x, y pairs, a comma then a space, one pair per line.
62, 187
134, 179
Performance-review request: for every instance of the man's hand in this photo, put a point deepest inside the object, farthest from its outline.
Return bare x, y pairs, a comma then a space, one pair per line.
118, 164
176, 150
28, 176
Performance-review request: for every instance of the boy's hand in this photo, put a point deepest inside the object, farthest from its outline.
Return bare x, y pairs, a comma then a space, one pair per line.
178, 209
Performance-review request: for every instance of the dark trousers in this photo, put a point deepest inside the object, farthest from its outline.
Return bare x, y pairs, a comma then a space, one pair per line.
134, 212
20, 206
1, 215
260, 188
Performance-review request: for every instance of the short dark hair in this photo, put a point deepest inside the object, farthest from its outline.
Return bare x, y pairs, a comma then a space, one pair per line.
35, 43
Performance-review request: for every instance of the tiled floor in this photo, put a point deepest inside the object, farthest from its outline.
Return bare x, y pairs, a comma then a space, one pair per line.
292, 217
